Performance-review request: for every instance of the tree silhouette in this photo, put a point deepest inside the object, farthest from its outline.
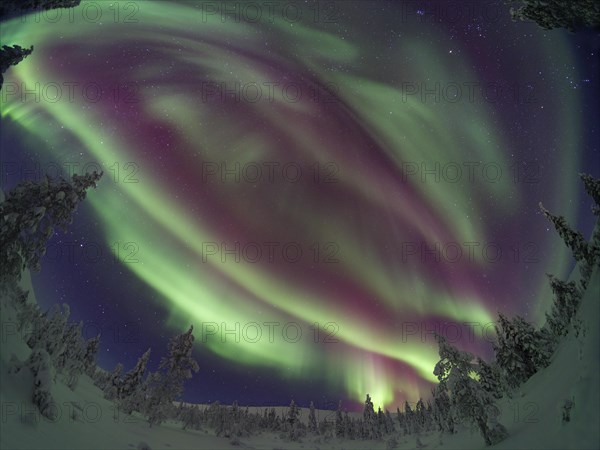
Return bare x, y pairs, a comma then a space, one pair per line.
11, 56
551, 14
29, 215
12, 8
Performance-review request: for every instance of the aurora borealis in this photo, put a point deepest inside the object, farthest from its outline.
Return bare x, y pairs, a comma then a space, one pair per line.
277, 174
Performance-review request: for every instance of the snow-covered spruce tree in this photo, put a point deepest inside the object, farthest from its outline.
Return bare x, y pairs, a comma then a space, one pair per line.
49, 330
339, 422
240, 423
389, 422
57, 330
132, 390
214, 417
70, 360
16, 296
42, 368
292, 420
29, 215
113, 384
564, 306
166, 386
196, 418
400, 419
469, 400
312, 419
410, 418
592, 187
420, 415
442, 410
71, 341
29, 319
191, 418
371, 426
39, 332
521, 350
381, 422
358, 429
429, 425
92, 347
348, 427
230, 422
572, 239
586, 253
100, 377
272, 423
490, 378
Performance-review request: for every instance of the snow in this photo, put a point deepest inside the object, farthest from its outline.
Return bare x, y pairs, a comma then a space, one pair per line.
572, 375
85, 420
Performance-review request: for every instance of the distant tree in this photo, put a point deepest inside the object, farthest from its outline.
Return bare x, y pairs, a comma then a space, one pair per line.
429, 425
214, 417
312, 419
233, 424
420, 416
469, 400
339, 422
410, 418
348, 426
380, 422
292, 420
273, 422
550, 14
400, 419
167, 386
29, 215
371, 428
389, 422
359, 429
191, 418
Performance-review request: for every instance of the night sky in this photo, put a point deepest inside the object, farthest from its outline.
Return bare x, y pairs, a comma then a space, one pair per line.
324, 191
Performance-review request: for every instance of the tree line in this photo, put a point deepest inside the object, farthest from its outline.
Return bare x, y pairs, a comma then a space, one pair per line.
468, 386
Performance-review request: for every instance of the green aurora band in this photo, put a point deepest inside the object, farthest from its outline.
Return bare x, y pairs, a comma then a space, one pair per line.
374, 128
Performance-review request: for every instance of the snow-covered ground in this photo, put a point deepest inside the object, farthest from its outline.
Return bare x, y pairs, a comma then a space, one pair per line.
533, 417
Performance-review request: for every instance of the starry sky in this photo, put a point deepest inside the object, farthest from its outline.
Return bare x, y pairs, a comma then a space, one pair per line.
317, 187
